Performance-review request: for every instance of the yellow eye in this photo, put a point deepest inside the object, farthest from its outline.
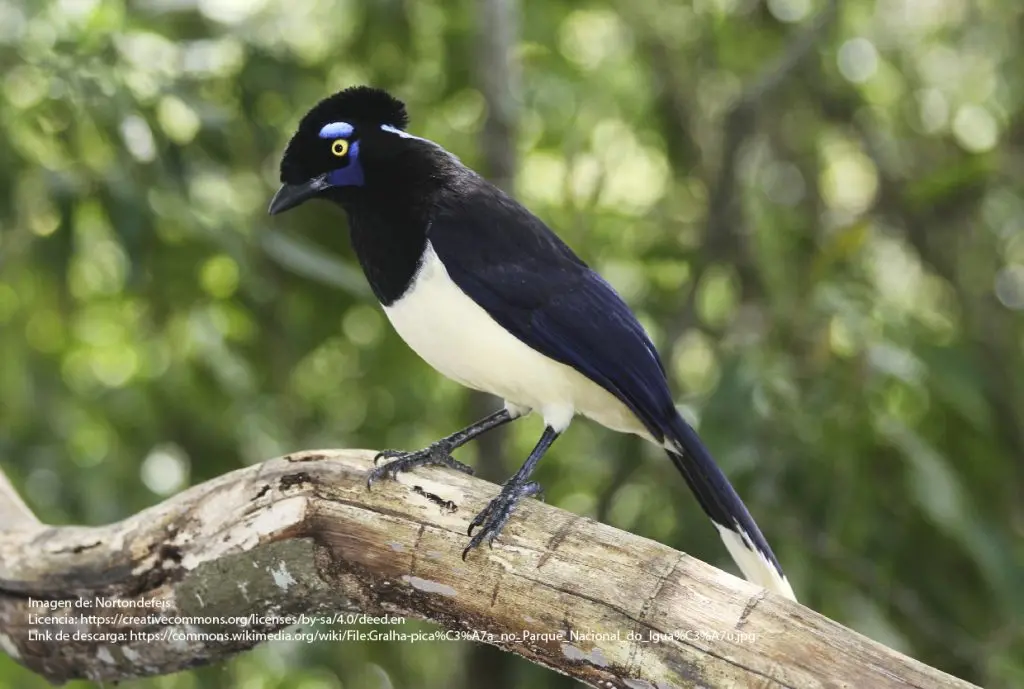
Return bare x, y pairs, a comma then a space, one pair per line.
339, 147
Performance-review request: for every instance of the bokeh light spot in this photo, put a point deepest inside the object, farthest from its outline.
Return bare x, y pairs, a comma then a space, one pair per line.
165, 469
858, 60
975, 129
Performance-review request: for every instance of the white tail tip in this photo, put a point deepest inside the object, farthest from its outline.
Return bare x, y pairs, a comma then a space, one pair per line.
756, 568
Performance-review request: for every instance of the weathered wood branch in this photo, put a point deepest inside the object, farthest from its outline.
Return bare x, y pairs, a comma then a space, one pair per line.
303, 535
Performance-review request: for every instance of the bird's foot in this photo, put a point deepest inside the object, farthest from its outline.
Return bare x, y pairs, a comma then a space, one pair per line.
493, 517
437, 454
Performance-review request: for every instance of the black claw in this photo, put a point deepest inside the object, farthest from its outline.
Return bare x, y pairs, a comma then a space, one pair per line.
492, 519
479, 519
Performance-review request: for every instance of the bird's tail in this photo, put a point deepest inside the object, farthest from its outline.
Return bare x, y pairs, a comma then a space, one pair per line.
744, 540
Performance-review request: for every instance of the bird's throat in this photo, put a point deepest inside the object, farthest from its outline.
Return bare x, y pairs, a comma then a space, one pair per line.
388, 240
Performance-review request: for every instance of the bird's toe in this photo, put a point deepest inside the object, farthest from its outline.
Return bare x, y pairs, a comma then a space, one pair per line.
438, 454
388, 454
492, 519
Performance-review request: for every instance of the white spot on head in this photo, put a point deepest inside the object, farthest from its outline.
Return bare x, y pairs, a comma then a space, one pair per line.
402, 133
429, 586
282, 577
406, 135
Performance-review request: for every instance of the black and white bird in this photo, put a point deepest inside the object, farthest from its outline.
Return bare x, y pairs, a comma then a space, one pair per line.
489, 296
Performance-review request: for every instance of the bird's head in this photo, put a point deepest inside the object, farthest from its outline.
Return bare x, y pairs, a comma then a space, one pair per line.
348, 144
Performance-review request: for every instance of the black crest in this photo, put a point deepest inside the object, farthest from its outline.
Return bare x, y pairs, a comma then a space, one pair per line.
307, 156
358, 104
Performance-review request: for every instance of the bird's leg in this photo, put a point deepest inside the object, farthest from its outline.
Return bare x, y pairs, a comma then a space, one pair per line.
438, 453
493, 517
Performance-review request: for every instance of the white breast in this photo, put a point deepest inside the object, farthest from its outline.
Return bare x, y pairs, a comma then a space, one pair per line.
456, 336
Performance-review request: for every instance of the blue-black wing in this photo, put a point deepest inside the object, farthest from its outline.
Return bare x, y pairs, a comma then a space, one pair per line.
507, 261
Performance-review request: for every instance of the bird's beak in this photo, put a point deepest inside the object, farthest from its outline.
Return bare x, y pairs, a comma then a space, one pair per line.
292, 195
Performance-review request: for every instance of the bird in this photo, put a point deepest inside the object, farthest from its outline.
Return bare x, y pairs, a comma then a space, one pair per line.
488, 295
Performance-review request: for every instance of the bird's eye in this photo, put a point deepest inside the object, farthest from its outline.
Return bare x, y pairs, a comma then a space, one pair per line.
339, 147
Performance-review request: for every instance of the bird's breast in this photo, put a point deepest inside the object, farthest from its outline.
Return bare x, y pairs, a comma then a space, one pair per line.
460, 339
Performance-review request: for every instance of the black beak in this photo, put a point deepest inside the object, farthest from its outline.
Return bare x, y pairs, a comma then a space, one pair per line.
292, 195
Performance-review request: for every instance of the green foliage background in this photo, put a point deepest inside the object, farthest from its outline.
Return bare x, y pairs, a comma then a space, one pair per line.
839, 302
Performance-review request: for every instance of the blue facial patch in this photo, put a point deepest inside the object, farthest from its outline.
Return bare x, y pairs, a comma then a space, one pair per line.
335, 130
352, 174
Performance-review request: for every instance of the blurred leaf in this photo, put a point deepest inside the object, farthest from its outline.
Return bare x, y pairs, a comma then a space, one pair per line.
841, 246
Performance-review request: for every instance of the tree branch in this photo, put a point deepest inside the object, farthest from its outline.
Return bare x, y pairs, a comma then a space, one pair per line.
301, 534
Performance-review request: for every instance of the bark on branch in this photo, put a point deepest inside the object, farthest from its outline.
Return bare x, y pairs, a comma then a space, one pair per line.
302, 534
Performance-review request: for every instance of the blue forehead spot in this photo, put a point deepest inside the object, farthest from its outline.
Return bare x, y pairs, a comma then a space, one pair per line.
334, 130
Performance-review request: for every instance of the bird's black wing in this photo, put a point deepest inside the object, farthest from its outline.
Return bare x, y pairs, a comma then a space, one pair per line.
507, 261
